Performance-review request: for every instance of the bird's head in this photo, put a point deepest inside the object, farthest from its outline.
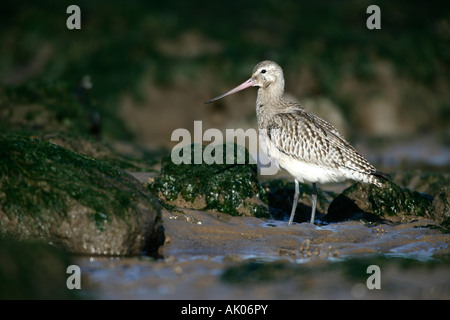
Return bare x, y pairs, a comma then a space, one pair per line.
266, 74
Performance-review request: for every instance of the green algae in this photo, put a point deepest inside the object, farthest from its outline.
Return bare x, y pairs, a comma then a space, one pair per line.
86, 206
440, 209
38, 177
392, 200
137, 160
389, 203
227, 188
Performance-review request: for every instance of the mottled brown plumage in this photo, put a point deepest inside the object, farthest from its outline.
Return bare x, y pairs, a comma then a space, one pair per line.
308, 147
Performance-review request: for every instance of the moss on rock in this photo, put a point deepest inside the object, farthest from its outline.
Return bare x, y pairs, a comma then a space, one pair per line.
136, 159
390, 203
228, 188
77, 202
440, 209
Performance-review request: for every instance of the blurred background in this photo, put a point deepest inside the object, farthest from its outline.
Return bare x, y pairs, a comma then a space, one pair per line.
138, 70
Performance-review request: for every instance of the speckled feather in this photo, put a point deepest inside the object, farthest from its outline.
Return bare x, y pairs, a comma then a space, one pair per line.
307, 138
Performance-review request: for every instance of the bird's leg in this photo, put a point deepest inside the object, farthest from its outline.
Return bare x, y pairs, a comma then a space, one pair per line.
294, 204
314, 202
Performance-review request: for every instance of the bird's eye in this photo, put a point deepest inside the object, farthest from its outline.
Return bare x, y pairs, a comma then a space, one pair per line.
263, 71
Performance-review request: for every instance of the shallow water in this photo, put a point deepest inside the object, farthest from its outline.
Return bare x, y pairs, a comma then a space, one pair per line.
216, 256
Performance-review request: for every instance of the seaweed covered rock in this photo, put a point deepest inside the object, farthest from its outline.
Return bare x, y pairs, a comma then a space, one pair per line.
440, 209
73, 201
224, 186
389, 203
133, 159
44, 106
49, 106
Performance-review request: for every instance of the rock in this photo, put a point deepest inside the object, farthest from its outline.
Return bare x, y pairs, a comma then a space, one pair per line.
44, 106
227, 188
133, 159
73, 201
47, 106
31, 270
390, 203
440, 209
426, 182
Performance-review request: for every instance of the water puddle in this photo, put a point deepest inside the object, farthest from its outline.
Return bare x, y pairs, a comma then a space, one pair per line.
421, 251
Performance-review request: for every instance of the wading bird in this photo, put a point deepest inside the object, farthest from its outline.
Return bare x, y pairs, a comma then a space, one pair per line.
306, 146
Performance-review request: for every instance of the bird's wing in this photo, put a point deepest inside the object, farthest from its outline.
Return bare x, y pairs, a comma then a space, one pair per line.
304, 136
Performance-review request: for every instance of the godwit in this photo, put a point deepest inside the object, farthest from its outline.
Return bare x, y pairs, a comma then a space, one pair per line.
308, 147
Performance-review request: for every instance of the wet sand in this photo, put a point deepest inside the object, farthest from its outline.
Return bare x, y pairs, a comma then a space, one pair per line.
217, 256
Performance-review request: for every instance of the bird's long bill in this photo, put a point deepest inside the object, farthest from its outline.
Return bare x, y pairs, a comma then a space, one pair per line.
250, 82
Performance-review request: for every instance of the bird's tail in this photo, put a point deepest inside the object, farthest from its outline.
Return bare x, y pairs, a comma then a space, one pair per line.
378, 178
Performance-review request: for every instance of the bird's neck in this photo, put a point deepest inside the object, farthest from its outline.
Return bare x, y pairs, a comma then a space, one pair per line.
271, 94
268, 103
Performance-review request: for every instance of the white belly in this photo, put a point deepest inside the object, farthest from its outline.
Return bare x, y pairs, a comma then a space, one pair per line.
309, 172
301, 170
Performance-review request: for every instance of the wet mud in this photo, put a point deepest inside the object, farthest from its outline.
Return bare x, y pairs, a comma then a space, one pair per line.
217, 256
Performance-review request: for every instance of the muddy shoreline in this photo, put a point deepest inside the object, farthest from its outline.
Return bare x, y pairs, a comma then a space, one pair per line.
217, 256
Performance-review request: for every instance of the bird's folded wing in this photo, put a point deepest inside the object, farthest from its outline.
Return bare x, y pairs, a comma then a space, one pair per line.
308, 138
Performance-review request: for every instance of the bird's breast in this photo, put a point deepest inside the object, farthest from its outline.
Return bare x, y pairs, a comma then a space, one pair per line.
267, 146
